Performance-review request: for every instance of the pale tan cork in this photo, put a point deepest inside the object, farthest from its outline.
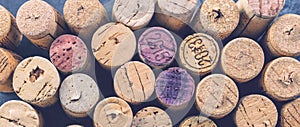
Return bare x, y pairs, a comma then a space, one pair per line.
290, 114
151, 117
281, 78
197, 121
36, 81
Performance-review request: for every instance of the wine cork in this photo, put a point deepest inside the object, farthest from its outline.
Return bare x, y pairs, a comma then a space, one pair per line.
78, 94
19, 114
242, 59
256, 15
8, 62
84, 17
40, 23
216, 95
174, 87
151, 117
70, 54
10, 36
174, 14
290, 114
157, 47
113, 112
113, 45
36, 81
282, 38
199, 53
135, 14
281, 79
134, 82
256, 111
197, 121
74, 126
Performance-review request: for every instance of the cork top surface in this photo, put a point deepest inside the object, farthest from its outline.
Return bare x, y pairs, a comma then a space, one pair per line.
197, 121
74, 126
18, 113
266, 8
5, 22
242, 59
151, 117
216, 95
290, 114
177, 6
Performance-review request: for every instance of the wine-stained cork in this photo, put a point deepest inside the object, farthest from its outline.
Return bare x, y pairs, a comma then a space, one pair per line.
281, 78
282, 39
256, 15
112, 112
216, 95
242, 59
84, 17
70, 54
199, 53
174, 87
40, 23
36, 81
113, 45
19, 114
256, 111
174, 14
151, 117
290, 114
135, 14
157, 47
134, 82
78, 94
10, 36
197, 121
8, 62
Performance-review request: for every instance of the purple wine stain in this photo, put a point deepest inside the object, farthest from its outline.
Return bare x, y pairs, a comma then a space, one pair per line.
175, 87
157, 47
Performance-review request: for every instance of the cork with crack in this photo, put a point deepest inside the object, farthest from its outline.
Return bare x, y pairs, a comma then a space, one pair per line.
151, 117
290, 114
197, 121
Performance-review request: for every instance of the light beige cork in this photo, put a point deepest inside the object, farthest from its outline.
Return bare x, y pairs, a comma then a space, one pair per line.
151, 117
256, 15
290, 115
40, 23
112, 112
281, 78
134, 82
174, 14
256, 111
197, 121
36, 81
16, 113
242, 59
199, 53
10, 36
282, 39
78, 94
113, 45
8, 62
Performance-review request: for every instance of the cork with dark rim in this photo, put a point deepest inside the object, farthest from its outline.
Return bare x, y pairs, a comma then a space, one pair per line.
151, 117
197, 121
290, 115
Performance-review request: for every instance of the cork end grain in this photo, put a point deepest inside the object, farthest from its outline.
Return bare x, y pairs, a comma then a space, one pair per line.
197, 121
266, 8
290, 114
151, 117
5, 22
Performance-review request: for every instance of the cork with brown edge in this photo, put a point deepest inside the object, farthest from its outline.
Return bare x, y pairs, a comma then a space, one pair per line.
197, 121
290, 115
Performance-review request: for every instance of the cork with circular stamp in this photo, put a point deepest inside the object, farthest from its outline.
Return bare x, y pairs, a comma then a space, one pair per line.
174, 14
282, 38
242, 59
40, 23
157, 47
197, 121
112, 112
134, 82
84, 17
16, 113
151, 117
199, 53
8, 62
280, 78
113, 45
70, 54
10, 36
256, 15
290, 114
135, 14
36, 81
256, 111
216, 95
78, 94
